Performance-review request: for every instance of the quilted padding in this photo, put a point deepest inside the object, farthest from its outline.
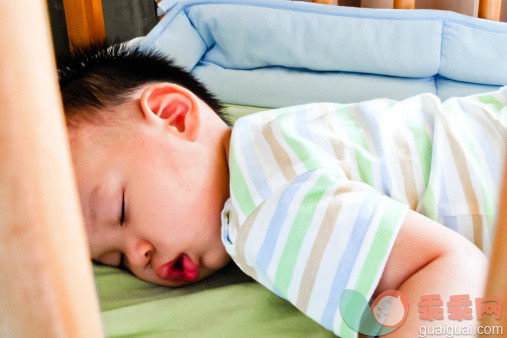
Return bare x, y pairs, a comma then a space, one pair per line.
276, 53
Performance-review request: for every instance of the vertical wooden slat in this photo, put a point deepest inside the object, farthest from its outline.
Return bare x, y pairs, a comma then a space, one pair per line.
160, 17
46, 281
475, 11
85, 21
496, 285
490, 9
404, 4
388, 4
327, 2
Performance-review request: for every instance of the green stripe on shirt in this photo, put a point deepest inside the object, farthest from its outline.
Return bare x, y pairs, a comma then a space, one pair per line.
298, 231
393, 215
238, 185
362, 152
424, 148
302, 151
378, 253
492, 100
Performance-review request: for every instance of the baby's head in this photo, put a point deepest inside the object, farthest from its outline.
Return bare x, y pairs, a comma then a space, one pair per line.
149, 147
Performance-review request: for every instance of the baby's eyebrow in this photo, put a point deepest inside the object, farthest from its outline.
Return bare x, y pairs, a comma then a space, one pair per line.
95, 198
92, 203
101, 202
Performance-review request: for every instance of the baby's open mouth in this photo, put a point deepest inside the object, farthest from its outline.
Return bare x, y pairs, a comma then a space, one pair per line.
180, 268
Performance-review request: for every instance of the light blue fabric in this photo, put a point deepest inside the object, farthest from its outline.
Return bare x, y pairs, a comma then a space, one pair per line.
318, 42
474, 55
449, 88
279, 87
276, 53
186, 47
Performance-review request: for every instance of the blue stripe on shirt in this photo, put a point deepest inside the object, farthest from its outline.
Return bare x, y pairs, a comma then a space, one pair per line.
370, 119
349, 256
277, 221
485, 146
253, 166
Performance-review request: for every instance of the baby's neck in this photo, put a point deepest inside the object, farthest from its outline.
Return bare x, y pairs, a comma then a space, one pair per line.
226, 142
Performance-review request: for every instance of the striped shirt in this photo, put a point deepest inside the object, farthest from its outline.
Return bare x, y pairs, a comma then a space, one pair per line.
319, 191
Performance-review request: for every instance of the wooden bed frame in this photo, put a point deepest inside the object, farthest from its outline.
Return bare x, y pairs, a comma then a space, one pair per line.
85, 20
488, 9
46, 284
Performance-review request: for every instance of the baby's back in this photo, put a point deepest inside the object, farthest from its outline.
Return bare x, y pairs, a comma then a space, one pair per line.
443, 160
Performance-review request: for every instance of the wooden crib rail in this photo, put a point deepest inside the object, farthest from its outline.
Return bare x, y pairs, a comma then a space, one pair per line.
404, 4
327, 2
85, 21
488, 9
497, 275
46, 280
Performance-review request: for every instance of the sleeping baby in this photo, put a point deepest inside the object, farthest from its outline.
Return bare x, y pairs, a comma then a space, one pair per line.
311, 201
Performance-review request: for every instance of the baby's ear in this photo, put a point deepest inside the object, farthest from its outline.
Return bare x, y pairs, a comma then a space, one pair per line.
174, 106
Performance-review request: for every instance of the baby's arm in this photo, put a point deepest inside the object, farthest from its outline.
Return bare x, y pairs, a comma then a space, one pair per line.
428, 258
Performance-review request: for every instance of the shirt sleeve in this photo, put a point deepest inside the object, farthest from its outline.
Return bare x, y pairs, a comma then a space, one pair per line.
314, 238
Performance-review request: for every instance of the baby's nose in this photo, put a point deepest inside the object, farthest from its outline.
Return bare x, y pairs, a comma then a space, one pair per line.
140, 252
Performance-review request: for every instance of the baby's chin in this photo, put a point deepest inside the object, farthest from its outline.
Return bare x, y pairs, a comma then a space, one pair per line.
177, 284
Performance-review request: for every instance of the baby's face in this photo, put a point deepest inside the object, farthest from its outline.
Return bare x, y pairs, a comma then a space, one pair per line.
151, 202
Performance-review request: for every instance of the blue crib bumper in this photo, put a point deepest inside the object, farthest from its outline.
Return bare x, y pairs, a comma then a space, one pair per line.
276, 53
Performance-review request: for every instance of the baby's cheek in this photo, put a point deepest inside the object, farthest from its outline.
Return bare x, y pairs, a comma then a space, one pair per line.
216, 258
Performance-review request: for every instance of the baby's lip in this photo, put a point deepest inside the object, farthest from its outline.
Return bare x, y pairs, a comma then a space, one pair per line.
180, 268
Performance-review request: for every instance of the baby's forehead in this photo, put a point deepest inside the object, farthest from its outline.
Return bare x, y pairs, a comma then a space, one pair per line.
98, 148
91, 145
95, 159
106, 126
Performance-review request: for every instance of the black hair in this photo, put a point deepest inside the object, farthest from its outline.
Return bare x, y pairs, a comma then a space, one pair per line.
103, 75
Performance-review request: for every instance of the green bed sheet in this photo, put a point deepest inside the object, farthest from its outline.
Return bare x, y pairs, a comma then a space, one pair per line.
226, 304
